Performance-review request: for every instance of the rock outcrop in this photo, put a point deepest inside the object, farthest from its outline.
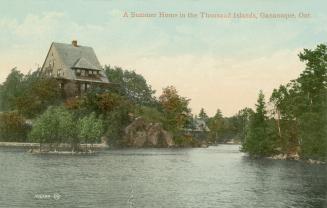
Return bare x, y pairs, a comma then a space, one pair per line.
285, 157
143, 134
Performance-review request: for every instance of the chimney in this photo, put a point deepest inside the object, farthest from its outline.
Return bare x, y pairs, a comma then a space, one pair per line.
74, 43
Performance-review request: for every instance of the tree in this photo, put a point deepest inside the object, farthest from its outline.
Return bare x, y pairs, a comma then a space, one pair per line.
90, 129
38, 95
175, 108
13, 127
30, 94
285, 100
132, 85
313, 108
55, 126
300, 107
216, 125
241, 122
203, 115
11, 89
259, 141
115, 123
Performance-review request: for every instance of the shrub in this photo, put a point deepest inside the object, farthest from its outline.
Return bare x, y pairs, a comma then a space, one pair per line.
56, 125
90, 129
13, 127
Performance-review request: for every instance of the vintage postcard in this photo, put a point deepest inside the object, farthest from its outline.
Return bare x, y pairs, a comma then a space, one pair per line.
168, 104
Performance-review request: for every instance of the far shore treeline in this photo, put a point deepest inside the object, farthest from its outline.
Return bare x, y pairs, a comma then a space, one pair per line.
293, 121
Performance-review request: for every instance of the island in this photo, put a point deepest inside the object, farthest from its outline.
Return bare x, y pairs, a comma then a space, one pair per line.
73, 103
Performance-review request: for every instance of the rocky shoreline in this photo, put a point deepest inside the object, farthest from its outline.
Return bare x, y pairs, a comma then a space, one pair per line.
88, 152
35, 146
295, 157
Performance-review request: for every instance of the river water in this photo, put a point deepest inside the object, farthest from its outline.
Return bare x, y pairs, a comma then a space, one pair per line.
218, 176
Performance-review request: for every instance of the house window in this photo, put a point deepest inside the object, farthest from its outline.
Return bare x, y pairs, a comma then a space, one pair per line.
78, 72
83, 72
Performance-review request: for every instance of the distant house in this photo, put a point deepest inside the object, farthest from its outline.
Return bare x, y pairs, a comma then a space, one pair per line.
76, 67
199, 129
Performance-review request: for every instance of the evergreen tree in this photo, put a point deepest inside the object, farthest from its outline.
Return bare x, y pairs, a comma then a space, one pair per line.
258, 141
216, 124
203, 115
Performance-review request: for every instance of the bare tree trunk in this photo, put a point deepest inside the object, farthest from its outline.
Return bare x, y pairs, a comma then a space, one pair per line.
278, 124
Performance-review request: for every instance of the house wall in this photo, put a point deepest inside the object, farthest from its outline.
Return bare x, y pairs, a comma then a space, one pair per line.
53, 66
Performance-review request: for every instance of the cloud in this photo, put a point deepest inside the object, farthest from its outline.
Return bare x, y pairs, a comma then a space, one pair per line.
38, 25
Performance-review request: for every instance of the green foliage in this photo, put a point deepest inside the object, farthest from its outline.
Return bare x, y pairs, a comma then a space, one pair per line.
312, 115
286, 103
131, 85
10, 90
55, 125
259, 140
150, 114
185, 141
29, 94
13, 127
241, 122
38, 96
203, 115
175, 108
301, 107
115, 122
216, 124
90, 129
313, 135
101, 103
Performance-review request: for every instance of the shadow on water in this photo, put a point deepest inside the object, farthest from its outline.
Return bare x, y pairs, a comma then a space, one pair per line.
292, 183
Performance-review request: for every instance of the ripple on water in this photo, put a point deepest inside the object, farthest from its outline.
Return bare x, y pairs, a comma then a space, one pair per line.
218, 176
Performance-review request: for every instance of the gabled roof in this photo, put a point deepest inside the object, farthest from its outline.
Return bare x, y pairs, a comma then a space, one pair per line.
72, 56
83, 56
82, 63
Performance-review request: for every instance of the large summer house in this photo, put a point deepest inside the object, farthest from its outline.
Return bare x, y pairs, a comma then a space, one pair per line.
76, 67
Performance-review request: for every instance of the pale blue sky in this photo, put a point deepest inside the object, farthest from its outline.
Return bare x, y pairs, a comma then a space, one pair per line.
216, 63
